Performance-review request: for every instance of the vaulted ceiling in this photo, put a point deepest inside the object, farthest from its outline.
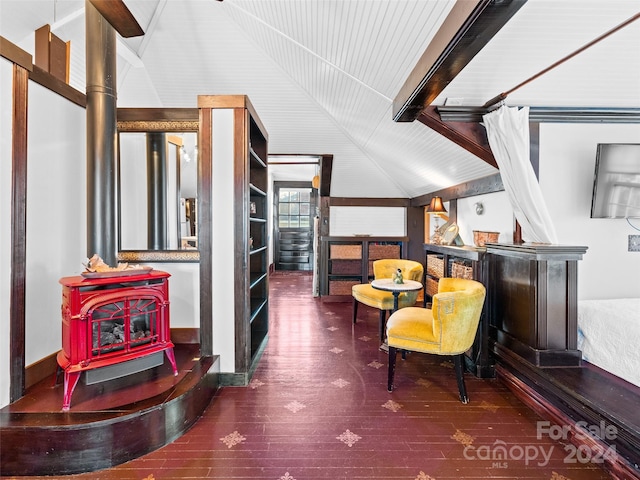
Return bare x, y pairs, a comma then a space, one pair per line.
323, 74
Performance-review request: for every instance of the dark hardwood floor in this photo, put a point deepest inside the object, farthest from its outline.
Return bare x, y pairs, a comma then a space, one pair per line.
318, 408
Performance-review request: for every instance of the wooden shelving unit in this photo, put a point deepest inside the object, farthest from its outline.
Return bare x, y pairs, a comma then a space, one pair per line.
464, 262
347, 261
240, 238
258, 242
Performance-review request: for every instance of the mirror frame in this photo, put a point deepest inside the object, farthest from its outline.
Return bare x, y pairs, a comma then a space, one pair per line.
167, 120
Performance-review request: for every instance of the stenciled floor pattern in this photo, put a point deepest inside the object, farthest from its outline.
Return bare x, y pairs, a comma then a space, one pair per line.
318, 408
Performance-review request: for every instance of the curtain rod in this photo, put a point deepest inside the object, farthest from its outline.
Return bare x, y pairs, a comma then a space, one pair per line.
502, 96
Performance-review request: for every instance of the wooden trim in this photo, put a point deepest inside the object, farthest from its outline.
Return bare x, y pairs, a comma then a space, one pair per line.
52, 53
542, 391
56, 85
326, 167
241, 129
232, 101
204, 230
119, 16
15, 54
480, 186
325, 216
168, 115
18, 232
82, 442
415, 232
407, 104
185, 335
40, 370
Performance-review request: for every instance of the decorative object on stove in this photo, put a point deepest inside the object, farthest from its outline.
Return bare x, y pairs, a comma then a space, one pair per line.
97, 267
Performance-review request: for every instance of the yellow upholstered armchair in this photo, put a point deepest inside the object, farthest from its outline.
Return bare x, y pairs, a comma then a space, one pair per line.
447, 328
366, 294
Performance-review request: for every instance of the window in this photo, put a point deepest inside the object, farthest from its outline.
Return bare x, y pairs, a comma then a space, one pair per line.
294, 208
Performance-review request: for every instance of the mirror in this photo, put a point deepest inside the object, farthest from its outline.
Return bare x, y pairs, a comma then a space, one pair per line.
157, 184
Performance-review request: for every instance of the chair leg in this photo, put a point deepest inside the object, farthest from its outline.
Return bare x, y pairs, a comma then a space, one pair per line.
355, 309
458, 361
382, 324
392, 368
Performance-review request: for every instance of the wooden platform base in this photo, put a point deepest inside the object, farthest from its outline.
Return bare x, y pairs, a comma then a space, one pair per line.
597, 411
110, 422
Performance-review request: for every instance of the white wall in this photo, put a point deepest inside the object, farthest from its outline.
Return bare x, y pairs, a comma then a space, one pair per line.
496, 217
223, 240
56, 213
184, 293
6, 82
567, 164
375, 221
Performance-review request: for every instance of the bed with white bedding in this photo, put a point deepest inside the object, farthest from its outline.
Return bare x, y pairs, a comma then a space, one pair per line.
609, 336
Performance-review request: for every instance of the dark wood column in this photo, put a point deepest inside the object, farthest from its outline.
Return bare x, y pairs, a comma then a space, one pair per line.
156, 191
18, 232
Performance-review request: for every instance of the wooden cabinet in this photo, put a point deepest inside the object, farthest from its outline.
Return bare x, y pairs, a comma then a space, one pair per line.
463, 262
534, 303
348, 261
239, 233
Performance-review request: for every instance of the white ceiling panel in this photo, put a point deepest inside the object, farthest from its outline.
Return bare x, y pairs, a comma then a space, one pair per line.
542, 33
323, 74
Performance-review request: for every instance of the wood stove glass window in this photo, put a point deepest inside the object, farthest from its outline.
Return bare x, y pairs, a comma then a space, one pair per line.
124, 325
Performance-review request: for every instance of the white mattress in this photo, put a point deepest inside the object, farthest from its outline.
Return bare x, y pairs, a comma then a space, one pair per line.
609, 336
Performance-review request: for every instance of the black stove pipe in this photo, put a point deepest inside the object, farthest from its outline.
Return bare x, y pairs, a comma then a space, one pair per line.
101, 136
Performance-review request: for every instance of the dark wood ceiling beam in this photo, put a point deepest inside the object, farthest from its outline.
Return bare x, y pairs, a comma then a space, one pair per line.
467, 29
470, 136
326, 167
480, 186
119, 16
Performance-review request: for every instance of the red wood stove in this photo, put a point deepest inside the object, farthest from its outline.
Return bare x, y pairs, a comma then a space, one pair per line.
108, 320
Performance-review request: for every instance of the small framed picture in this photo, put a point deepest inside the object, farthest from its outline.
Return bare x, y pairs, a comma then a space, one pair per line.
252, 208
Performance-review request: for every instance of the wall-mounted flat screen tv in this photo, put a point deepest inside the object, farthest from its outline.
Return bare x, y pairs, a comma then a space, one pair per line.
616, 185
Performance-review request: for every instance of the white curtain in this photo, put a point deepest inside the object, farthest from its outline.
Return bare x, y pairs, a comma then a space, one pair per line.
508, 133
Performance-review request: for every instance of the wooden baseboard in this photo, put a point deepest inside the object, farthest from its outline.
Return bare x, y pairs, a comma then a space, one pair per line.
185, 335
38, 371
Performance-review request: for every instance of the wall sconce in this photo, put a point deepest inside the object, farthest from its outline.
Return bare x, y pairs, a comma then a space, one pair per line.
479, 208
